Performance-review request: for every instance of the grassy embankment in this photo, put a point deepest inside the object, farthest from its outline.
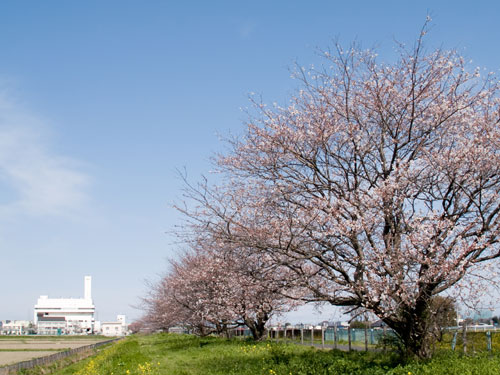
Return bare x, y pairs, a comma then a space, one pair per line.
181, 355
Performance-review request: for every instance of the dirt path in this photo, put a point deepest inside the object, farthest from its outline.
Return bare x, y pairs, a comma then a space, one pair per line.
8, 358
25, 349
44, 344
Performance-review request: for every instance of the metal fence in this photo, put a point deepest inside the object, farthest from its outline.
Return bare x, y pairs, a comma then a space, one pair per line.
472, 340
348, 338
14, 368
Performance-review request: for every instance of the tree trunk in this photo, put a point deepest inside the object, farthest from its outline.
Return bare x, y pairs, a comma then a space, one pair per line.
415, 338
413, 326
257, 327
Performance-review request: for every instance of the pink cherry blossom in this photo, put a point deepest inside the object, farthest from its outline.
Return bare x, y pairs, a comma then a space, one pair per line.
377, 187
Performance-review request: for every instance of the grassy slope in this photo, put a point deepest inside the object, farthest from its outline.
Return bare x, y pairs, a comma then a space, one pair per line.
181, 355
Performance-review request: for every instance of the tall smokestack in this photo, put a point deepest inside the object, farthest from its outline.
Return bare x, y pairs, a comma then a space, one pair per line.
88, 287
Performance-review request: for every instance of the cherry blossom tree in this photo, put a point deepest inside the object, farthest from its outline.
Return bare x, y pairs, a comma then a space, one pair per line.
213, 289
137, 326
193, 295
378, 185
162, 311
258, 286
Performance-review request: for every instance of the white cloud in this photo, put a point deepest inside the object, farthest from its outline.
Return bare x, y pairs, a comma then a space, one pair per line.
41, 182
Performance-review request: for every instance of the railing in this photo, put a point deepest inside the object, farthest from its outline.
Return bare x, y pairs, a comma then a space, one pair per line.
474, 328
336, 337
473, 339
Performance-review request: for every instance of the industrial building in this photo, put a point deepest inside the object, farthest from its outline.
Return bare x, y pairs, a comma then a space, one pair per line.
16, 327
56, 316
118, 328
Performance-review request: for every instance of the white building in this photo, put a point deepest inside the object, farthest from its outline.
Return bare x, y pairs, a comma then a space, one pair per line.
52, 325
66, 315
118, 328
16, 327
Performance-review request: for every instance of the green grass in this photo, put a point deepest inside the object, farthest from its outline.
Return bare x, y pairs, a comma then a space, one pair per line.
182, 355
356, 345
476, 341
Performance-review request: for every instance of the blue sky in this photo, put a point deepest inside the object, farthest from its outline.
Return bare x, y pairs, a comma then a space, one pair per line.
101, 102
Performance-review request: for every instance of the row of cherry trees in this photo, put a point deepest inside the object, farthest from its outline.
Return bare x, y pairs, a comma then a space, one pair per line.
213, 288
376, 188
